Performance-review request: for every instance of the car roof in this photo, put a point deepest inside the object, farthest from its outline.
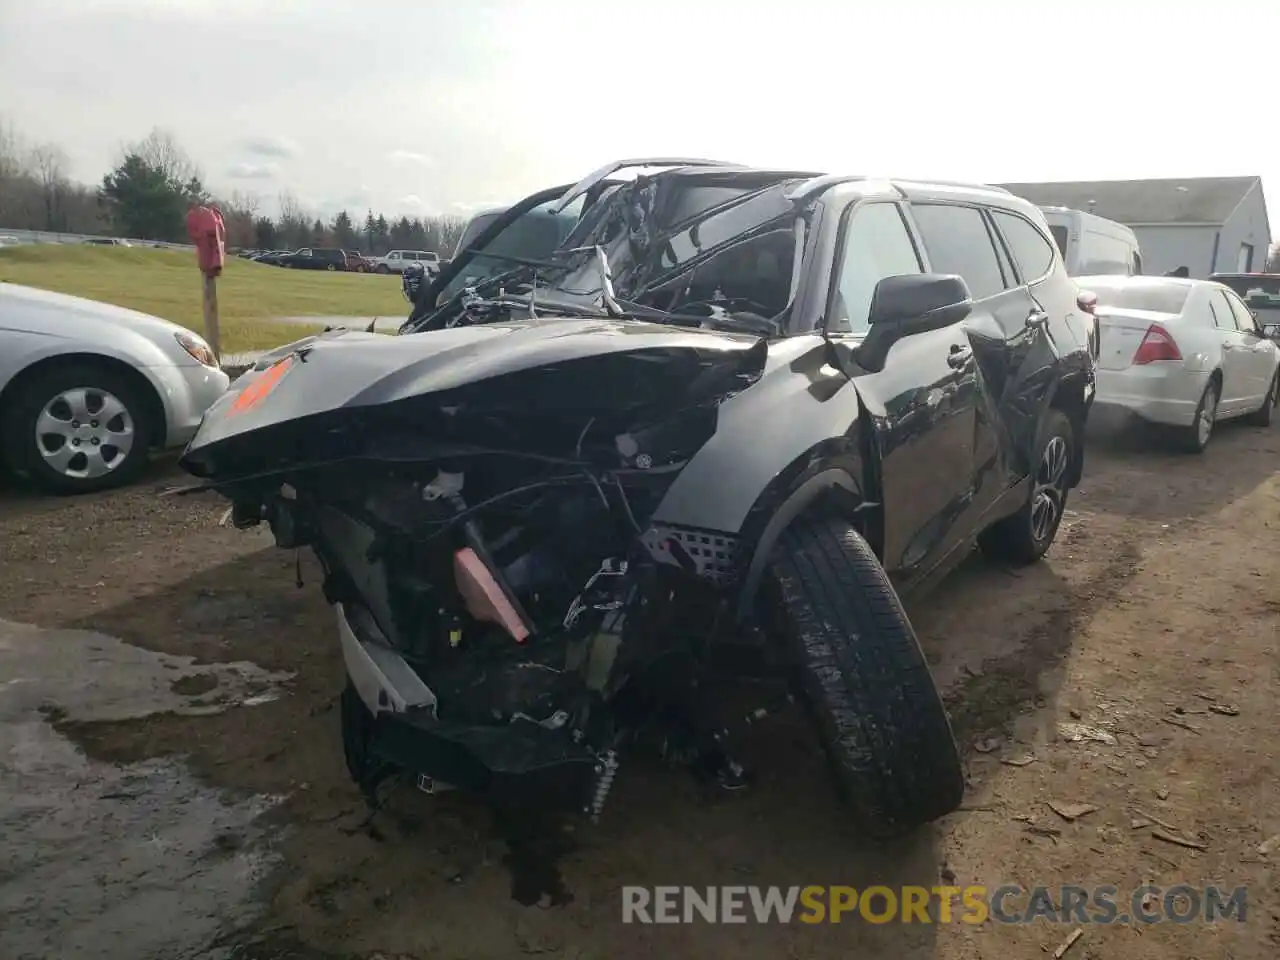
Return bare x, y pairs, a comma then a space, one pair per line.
810, 183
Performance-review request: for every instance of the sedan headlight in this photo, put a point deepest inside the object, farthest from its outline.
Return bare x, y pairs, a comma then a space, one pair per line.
199, 350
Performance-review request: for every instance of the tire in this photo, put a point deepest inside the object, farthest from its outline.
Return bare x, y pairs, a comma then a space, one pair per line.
51, 398
864, 679
1195, 438
1025, 537
331, 267
1264, 416
383, 268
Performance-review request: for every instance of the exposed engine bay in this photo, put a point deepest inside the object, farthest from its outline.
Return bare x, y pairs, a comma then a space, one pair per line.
509, 615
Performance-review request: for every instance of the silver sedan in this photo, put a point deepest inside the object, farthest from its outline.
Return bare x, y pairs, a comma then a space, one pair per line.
88, 389
1183, 353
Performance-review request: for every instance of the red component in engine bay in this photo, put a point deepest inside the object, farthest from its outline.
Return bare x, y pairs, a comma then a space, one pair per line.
484, 596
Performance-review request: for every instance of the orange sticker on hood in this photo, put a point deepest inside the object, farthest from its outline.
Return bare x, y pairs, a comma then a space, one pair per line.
257, 390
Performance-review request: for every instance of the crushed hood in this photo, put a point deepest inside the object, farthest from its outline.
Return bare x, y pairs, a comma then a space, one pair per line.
553, 369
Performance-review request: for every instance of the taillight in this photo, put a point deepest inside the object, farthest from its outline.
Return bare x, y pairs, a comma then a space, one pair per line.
1156, 345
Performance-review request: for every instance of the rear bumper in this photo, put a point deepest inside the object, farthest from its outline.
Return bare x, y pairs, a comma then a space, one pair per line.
1165, 393
502, 763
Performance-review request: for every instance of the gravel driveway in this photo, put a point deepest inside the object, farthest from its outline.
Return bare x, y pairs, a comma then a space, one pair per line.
200, 686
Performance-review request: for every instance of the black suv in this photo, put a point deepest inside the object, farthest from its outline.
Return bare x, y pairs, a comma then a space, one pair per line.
314, 258
734, 407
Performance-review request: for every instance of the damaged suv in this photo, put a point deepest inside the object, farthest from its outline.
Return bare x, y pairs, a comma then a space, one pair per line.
725, 423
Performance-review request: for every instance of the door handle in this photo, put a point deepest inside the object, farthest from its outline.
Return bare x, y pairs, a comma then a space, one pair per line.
959, 357
1036, 319
1228, 346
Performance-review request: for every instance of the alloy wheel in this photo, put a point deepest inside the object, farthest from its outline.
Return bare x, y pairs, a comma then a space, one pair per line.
1049, 495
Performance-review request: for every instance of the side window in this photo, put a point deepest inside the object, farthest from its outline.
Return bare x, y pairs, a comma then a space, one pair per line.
1032, 251
1223, 315
393, 255
305, 251
1220, 313
875, 245
1244, 319
958, 242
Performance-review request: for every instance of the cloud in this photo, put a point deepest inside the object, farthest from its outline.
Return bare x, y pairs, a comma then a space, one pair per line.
412, 203
270, 147
471, 206
253, 171
410, 157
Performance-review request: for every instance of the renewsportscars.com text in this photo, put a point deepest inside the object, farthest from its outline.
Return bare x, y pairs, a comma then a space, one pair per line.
1011, 903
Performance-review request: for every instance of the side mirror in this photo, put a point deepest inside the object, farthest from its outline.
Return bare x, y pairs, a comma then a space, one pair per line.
911, 304
1271, 331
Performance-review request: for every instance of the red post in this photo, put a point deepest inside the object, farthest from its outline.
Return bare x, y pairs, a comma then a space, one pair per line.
207, 232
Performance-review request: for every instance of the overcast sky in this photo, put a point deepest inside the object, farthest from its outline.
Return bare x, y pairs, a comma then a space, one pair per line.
424, 105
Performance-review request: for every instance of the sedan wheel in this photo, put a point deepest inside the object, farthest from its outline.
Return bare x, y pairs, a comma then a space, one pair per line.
76, 430
1196, 437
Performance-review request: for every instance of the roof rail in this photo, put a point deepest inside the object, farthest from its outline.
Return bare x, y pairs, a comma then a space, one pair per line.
582, 186
805, 190
958, 183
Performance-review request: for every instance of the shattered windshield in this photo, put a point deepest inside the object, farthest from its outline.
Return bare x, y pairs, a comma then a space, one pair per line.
691, 249
675, 243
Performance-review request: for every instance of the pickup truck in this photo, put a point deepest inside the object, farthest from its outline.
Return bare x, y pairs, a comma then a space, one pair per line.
397, 260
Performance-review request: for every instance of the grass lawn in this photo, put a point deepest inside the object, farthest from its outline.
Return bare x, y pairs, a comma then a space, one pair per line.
166, 283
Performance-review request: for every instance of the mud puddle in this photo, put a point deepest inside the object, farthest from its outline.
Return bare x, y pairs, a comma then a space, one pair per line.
102, 860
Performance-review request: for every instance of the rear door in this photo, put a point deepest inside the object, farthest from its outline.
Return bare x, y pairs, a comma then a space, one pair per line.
1046, 326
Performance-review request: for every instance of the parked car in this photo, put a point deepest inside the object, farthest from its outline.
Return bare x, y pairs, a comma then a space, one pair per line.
397, 260
107, 242
1093, 245
1183, 354
752, 403
269, 256
87, 389
313, 258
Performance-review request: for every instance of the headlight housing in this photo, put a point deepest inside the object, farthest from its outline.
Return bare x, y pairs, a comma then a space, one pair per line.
196, 347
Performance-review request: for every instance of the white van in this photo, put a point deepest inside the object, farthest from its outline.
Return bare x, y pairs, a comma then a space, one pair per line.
1092, 246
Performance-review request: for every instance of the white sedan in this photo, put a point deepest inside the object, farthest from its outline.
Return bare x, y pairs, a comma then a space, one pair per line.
87, 389
1183, 353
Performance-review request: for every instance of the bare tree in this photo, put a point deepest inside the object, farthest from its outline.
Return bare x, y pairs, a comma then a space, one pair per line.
161, 151
49, 164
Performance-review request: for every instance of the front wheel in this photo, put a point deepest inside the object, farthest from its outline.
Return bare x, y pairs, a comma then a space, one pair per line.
78, 429
865, 680
383, 268
1024, 537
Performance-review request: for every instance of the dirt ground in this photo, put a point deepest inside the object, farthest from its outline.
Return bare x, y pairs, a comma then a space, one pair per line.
1152, 625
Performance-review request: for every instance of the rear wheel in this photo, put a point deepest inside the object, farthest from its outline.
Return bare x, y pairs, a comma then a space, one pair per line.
865, 680
1195, 438
1264, 416
78, 429
1025, 536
